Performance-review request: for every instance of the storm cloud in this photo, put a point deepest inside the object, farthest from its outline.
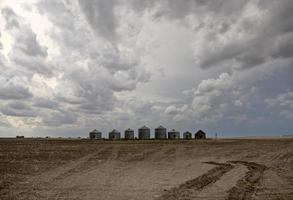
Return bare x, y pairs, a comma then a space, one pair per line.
77, 65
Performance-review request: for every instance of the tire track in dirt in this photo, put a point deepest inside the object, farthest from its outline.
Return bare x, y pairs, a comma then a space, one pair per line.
218, 190
87, 162
49, 181
274, 187
135, 154
165, 154
246, 187
186, 190
101, 158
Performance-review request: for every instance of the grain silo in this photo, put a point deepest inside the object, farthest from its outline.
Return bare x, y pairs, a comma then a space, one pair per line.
200, 135
114, 135
129, 134
95, 134
187, 135
144, 133
160, 133
173, 134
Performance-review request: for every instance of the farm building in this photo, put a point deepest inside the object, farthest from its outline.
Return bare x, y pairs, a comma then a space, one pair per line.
200, 135
95, 134
160, 132
144, 133
173, 134
114, 135
129, 134
187, 135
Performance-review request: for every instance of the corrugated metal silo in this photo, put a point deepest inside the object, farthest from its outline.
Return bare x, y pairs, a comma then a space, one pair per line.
173, 134
187, 135
144, 133
129, 134
95, 134
160, 133
114, 135
200, 135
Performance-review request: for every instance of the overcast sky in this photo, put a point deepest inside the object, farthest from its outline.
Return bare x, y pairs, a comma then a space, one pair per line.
69, 66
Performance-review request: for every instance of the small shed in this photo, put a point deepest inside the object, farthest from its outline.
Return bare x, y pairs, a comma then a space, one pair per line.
200, 135
114, 135
187, 135
129, 134
160, 133
95, 134
144, 133
173, 134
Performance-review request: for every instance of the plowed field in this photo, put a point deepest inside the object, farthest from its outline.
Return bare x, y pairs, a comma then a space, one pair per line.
160, 170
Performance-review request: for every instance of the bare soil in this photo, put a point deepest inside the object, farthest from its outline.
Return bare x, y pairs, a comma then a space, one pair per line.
227, 169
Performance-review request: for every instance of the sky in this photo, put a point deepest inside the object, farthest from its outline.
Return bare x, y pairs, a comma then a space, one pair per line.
70, 66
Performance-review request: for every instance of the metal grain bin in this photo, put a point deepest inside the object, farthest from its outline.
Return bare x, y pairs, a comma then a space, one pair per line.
200, 135
160, 133
95, 134
129, 134
187, 135
173, 134
114, 135
144, 133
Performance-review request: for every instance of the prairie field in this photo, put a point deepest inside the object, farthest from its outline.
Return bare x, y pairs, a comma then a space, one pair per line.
245, 169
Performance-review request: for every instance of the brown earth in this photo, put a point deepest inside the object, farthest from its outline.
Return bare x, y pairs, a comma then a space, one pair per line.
126, 170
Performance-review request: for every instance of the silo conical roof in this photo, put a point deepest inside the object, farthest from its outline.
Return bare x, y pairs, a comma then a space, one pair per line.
95, 131
144, 127
160, 127
114, 131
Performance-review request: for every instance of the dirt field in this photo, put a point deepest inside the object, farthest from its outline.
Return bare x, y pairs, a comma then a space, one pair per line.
161, 170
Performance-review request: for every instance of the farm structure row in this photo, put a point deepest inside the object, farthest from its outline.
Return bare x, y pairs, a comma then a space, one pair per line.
144, 134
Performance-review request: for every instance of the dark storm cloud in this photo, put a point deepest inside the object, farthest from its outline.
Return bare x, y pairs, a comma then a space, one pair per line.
115, 61
105, 68
59, 118
178, 9
283, 47
101, 16
45, 103
271, 39
18, 112
280, 16
58, 13
18, 109
65, 32
1, 46
26, 42
18, 105
14, 92
26, 51
216, 8
91, 92
2, 59
100, 62
10, 17
281, 105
